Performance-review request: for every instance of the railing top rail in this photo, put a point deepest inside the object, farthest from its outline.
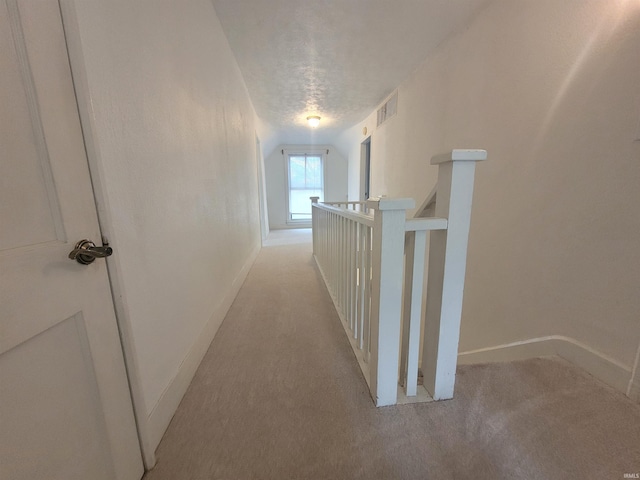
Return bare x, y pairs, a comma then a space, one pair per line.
350, 214
460, 154
430, 223
344, 203
428, 203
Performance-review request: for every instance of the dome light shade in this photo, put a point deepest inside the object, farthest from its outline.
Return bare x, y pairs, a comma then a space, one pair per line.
313, 120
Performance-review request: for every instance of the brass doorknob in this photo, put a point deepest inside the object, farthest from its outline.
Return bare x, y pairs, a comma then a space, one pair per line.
86, 252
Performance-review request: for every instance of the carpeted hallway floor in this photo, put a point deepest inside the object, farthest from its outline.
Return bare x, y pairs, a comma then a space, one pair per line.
279, 395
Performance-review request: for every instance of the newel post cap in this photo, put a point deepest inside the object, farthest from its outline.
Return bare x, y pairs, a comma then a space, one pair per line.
460, 154
314, 199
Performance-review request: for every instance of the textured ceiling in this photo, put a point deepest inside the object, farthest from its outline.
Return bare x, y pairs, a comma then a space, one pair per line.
334, 58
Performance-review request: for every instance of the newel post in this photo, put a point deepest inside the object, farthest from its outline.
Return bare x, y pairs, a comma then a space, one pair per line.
314, 224
447, 266
386, 295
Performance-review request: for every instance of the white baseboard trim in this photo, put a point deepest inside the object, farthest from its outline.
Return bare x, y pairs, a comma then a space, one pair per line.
291, 226
536, 347
162, 413
633, 390
601, 366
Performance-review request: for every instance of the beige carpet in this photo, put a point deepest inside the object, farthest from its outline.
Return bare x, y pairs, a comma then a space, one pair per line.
279, 395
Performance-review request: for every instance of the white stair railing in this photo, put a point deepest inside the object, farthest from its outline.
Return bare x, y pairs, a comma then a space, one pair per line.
362, 248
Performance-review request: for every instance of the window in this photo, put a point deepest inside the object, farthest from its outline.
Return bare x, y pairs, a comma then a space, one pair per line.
306, 179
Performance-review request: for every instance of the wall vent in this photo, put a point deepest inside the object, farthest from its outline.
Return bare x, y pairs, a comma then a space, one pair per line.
388, 110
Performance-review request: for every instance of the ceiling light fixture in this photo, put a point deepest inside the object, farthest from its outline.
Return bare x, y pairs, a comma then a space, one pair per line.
313, 120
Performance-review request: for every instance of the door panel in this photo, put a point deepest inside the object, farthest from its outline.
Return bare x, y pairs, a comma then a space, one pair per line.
25, 173
65, 408
53, 390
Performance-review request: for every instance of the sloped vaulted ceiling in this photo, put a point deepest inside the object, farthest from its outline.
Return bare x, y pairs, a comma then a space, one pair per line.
334, 58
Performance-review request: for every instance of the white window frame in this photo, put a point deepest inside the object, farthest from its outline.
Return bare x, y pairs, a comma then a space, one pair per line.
301, 151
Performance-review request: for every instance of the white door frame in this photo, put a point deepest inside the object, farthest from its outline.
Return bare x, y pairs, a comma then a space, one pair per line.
262, 198
365, 169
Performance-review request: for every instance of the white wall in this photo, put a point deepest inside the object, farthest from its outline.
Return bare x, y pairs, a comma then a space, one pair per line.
171, 134
335, 181
552, 91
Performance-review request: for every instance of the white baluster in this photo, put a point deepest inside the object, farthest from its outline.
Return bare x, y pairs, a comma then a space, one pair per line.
367, 294
353, 252
414, 283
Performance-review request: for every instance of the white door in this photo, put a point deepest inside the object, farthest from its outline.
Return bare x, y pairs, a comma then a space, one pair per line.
65, 408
